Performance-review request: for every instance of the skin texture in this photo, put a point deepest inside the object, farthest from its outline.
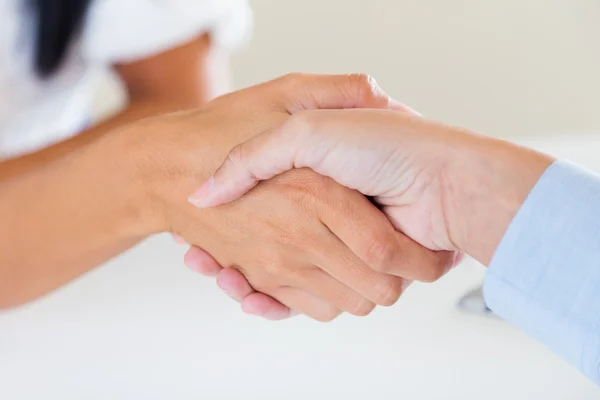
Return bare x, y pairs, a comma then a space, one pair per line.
147, 82
446, 188
35, 173
95, 206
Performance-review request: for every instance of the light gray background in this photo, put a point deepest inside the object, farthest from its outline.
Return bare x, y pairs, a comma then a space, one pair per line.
143, 327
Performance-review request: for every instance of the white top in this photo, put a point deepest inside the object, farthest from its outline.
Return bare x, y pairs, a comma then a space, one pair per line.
36, 113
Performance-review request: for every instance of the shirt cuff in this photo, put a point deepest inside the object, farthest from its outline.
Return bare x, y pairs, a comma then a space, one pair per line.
545, 274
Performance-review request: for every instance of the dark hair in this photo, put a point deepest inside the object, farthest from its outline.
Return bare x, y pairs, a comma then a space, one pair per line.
58, 24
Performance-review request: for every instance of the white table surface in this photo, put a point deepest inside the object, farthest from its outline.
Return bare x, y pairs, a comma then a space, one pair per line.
143, 327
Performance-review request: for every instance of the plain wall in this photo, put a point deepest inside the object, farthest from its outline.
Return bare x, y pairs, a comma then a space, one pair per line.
507, 67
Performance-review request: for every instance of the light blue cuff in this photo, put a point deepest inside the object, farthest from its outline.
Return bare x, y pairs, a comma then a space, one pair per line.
545, 275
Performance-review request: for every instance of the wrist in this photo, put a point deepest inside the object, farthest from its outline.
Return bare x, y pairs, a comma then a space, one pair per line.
124, 153
488, 182
174, 155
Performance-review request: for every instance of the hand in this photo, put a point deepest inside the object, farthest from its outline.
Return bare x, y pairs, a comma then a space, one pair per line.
310, 256
235, 285
280, 248
446, 188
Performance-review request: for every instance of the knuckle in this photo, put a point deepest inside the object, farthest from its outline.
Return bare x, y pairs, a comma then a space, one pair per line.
272, 268
383, 256
290, 236
440, 263
276, 266
293, 78
362, 80
432, 273
389, 291
365, 85
296, 238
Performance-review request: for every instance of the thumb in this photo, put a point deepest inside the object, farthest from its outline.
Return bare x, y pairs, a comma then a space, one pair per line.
257, 159
309, 92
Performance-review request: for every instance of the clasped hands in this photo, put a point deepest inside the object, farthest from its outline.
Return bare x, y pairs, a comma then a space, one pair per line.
359, 195
301, 241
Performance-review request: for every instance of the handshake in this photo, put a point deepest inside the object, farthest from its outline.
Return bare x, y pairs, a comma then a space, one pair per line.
331, 198
320, 195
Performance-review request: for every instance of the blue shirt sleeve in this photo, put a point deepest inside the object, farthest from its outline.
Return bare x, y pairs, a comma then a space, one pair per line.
545, 274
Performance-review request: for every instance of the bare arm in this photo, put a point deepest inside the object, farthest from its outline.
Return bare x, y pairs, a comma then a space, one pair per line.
173, 80
66, 209
62, 220
79, 210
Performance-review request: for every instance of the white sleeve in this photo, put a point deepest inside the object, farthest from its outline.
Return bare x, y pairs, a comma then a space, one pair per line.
122, 31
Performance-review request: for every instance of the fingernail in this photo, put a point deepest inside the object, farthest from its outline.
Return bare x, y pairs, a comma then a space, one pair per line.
200, 198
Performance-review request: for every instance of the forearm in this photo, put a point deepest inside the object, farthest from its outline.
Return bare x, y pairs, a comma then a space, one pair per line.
60, 221
137, 109
488, 181
67, 208
536, 224
94, 203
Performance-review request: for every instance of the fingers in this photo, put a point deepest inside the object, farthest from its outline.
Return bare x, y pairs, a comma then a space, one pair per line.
365, 287
235, 284
201, 262
363, 228
351, 147
416, 263
318, 283
333, 291
368, 233
277, 151
296, 144
260, 158
326, 301
308, 92
306, 304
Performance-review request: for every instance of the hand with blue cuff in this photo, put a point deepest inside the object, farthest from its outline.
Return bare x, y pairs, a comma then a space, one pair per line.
532, 220
440, 185
446, 188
